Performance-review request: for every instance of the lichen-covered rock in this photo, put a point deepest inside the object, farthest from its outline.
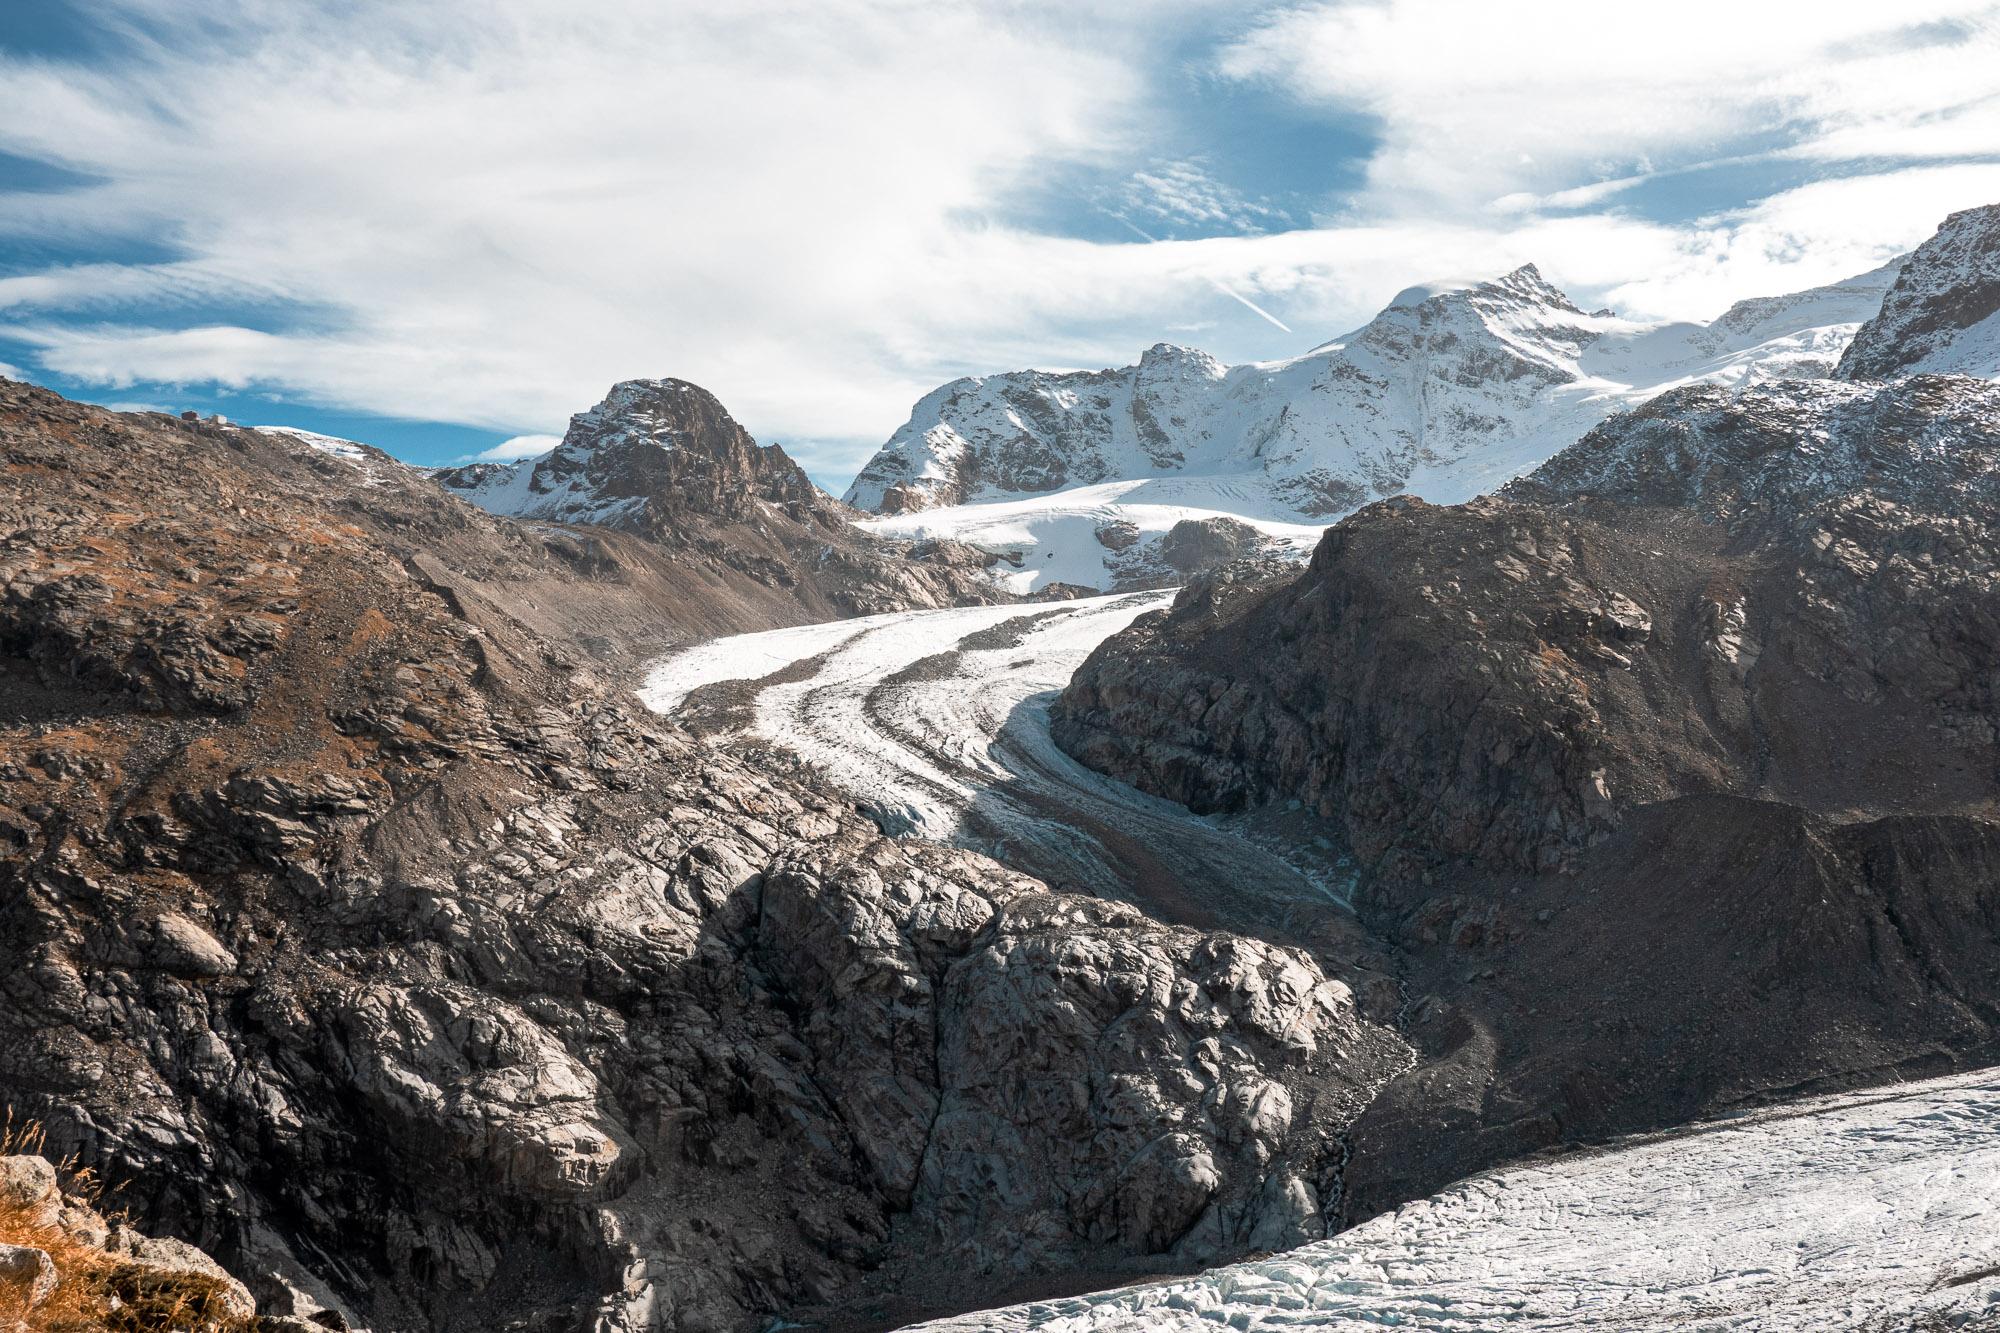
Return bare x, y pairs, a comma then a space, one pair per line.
51, 1238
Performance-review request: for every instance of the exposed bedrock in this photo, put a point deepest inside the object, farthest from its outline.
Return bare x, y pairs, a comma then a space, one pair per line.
1673, 768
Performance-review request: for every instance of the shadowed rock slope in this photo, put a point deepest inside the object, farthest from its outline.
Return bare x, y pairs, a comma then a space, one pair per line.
350, 921
1673, 768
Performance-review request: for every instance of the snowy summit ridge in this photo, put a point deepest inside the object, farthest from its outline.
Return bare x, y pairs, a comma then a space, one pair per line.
1450, 391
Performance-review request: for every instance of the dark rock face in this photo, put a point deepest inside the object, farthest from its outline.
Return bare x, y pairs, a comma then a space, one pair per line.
1673, 768
664, 461
418, 977
1196, 544
1943, 314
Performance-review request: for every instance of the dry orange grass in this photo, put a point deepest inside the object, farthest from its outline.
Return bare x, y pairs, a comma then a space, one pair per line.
97, 1291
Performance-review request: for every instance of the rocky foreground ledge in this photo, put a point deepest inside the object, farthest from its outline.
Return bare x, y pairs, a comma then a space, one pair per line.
66, 1268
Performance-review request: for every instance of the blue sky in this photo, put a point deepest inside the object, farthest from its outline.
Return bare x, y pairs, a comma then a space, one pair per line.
443, 225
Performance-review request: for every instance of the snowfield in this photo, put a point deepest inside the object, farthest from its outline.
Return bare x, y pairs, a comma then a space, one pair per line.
938, 721
1055, 535
1877, 1211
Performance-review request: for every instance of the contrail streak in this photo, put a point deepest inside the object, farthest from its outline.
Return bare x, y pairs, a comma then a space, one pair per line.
1216, 283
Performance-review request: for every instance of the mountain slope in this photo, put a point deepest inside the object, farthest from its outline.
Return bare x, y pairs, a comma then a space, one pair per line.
371, 936
1692, 732
1943, 314
663, 461
1447, 393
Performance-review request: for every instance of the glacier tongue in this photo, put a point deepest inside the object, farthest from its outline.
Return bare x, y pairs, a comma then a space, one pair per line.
1875, 1211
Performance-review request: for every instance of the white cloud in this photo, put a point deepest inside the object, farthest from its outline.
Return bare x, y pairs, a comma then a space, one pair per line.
496, 209
517, 448
12, 372
1481, 101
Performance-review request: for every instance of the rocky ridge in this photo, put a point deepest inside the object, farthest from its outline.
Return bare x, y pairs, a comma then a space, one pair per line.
664, 461
375, 943
1943, 313
1690, 733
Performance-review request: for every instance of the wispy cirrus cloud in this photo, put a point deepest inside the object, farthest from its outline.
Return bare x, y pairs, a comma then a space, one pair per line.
1478, 102
1185, 192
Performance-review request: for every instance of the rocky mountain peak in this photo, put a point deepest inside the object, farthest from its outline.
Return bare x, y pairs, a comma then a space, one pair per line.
1943, 314
1171, 361
651, 447
663, 412
663, 460
1527, 283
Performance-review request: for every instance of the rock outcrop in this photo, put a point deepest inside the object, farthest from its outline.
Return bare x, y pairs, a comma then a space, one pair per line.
1943, 314
664, 461
363, 932
63, 1265
1673, 768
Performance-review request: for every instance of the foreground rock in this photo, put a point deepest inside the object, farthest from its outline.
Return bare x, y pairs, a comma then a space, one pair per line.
64, 1266
357, 928
1673, 769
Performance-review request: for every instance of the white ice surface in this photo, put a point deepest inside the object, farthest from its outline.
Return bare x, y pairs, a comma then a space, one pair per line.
1876, 1211
1055, 534
825, 718
960, 751
743, 657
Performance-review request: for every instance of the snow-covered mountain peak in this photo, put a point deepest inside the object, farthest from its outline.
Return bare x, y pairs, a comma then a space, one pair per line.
1943, 314
1171, 361
1448, 392
1514, 326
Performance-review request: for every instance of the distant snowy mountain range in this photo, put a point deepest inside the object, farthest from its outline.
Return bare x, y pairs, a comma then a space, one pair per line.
1451, 391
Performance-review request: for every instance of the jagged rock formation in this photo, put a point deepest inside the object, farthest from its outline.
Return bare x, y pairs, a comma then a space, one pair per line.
1447, 393
1674, 767
378, 947
663, 460
1943, 314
